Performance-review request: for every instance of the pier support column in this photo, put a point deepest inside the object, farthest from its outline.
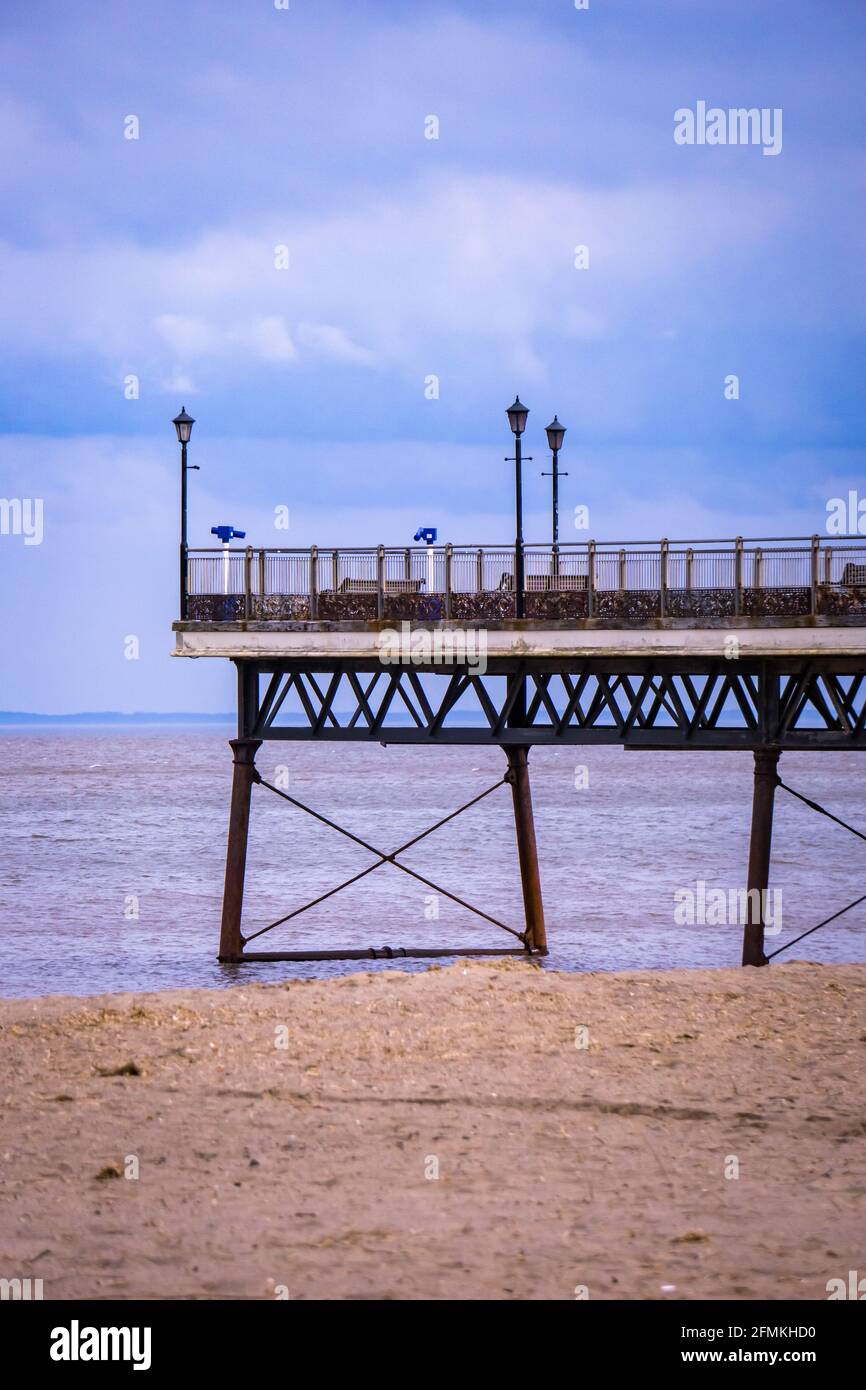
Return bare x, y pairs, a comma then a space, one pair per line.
244, 753
766, 777
527, 850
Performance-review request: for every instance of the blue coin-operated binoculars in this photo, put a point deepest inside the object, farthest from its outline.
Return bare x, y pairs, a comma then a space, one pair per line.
428, 534
226, 534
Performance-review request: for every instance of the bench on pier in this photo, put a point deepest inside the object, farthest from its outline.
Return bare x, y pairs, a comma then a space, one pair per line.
542, 583
371, 586
854, 575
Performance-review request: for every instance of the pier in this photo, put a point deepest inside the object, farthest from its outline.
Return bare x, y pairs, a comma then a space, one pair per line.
744, 644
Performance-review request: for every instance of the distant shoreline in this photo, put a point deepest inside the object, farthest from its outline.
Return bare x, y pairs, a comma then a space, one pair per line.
15, 719
19, 719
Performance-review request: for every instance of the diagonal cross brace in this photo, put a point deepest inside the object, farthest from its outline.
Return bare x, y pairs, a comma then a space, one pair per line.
382, 859
822, 810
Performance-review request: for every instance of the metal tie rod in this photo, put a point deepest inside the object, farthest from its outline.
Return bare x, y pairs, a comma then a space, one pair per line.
382, 859
827, 920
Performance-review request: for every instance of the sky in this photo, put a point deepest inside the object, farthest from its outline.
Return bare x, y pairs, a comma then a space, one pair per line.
237, 207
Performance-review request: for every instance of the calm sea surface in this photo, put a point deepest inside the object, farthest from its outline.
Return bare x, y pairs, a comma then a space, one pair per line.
95, 821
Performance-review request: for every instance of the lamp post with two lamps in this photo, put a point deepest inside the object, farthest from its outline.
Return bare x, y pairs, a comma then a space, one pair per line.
517, 414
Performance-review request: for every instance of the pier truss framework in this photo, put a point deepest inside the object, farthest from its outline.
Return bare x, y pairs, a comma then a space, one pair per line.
644, 702
764, 705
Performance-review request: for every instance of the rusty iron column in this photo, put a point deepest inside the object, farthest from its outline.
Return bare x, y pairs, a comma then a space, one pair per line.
766, 779
244, 753
527, 849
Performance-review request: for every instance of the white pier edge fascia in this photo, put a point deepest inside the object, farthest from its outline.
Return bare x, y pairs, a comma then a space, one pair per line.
549, 643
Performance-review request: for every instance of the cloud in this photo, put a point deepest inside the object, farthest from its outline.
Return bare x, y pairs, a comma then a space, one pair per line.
444, 267
180, 384
411, 257
333, 344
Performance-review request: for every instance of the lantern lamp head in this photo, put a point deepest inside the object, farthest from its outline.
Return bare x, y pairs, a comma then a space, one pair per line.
183, 423
517, 414
555, 434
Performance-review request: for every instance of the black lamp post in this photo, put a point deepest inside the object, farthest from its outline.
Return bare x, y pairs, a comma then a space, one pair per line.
555, 436
183, 423
517, 414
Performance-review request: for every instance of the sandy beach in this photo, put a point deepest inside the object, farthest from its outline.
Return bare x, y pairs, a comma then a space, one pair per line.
485, 1131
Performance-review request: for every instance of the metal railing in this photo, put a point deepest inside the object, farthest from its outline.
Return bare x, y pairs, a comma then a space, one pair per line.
663, 568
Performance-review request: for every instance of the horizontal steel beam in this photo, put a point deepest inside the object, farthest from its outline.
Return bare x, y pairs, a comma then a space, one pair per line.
715, 739
385, 953
845, 664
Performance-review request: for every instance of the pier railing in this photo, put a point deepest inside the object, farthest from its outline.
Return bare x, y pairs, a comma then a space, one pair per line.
609, 581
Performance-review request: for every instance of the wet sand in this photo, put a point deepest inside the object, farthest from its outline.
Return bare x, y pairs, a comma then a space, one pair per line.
476, 1131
